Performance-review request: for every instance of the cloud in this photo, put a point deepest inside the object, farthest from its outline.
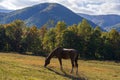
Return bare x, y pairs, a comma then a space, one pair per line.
78, 6
109, 8
1, 7
1, 0
15, 4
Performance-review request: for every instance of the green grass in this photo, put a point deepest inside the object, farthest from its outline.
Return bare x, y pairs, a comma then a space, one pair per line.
23, 67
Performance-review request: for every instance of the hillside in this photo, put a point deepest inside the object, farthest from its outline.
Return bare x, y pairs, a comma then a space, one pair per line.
40, 14
23, 67
5, 11
104, 21
117, 27
2, 15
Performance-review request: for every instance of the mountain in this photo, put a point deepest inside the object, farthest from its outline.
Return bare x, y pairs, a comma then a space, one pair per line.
104, 21
117, 27
5, 11
40, 14
2, 15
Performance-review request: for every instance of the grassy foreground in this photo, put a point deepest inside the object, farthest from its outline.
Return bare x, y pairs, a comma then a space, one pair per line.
23, 67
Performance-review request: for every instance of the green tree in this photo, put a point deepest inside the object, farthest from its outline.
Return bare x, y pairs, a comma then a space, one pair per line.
70, 40
42, 31
85, 32
84, 29
114, 38
95, 43
79, 39
49, 40
73, 28
59, 28
107, 50
14, 34
32, 41
2, 38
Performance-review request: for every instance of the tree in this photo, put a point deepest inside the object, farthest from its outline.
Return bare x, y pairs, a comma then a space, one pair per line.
114, 38
91, 43
42, 31
32, 41
69, 39
2, 38
79, 38
73, 28
49, 40
14, 34
107, 51
59, 28
95, 43
85, 31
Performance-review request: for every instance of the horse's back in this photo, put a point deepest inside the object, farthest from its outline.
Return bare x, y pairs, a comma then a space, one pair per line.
72, 50
68, 53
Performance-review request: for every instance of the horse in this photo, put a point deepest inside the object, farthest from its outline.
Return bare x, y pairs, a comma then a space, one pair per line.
64, 53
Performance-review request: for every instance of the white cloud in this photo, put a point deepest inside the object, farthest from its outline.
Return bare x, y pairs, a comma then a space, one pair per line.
16, 4
79, 6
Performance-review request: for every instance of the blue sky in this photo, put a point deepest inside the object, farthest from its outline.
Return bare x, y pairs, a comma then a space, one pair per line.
93, 7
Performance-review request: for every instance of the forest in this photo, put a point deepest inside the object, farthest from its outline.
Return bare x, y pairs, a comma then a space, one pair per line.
92, 43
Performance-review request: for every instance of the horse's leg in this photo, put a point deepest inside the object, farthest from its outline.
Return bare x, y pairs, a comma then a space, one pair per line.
76, 64
60, 61
72, 62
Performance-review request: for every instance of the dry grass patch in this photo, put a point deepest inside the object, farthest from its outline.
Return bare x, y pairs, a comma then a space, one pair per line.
24, 67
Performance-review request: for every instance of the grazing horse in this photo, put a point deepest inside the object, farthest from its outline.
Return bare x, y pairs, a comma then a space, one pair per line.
64, 53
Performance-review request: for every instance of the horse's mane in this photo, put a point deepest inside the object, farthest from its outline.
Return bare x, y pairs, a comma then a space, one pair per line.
52, 53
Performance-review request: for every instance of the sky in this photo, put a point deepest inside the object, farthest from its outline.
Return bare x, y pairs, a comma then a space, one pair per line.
92, 7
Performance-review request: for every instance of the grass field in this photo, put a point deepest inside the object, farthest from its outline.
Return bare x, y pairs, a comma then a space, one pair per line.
23, 67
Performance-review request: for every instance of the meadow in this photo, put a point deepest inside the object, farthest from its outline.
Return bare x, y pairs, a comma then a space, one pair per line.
14, 66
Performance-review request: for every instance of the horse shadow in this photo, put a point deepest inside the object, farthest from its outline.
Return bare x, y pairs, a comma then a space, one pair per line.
66, 75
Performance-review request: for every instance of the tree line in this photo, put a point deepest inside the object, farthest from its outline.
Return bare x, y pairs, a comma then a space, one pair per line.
92, 43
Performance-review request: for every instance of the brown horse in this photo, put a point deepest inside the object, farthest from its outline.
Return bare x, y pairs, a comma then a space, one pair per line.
65, 54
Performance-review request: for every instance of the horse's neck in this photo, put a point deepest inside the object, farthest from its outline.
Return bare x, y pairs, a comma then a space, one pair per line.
54, 53
50, 56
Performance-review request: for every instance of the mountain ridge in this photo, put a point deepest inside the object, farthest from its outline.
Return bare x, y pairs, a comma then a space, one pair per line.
39, 15
5, 11
104, 21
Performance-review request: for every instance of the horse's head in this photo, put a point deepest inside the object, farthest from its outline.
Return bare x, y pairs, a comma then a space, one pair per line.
46, 62
52, 54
